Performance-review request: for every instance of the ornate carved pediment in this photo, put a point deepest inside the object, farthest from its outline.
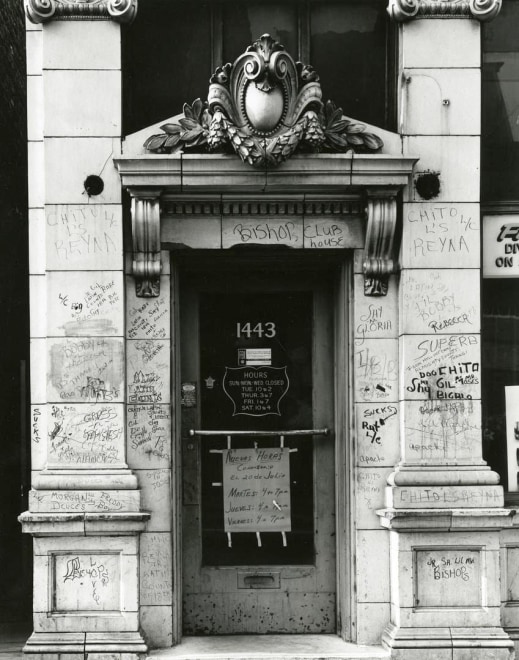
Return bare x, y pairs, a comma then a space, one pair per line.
264, 107
482, 10
41, 11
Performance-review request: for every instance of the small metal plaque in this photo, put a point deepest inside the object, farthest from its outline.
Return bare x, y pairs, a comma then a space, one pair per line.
188, 397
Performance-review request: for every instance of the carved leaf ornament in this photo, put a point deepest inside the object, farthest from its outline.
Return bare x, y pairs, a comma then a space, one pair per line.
264, 107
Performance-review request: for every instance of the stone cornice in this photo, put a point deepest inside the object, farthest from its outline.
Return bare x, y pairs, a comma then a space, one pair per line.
481, 10
41, 11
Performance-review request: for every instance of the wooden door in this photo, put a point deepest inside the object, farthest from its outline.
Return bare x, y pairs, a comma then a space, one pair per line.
258, 514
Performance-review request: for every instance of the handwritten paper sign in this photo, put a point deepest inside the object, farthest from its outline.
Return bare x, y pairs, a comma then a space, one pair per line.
256, 486
512, 434
256, 392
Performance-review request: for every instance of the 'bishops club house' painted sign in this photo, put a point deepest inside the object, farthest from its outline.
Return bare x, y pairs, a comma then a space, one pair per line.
500, 246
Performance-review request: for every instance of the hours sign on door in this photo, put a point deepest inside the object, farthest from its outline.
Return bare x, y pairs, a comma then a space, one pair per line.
256, 391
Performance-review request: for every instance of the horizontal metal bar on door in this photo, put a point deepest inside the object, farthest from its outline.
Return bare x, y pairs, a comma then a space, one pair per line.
298, 432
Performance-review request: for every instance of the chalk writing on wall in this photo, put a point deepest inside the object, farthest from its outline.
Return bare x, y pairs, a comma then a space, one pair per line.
445, 496
256, 485
35, 425
377, 433
271, 231
87, 582
149, 434
376, 370
370, 489
148, 318
148, 371
440, 301
89, 370
89, 236
448, 577
84, 501
442, 429
442, 367
440, 233
86, 304
82, 435
155, 569
373, 322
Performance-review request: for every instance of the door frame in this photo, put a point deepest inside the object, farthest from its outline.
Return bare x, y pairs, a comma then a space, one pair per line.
344, 449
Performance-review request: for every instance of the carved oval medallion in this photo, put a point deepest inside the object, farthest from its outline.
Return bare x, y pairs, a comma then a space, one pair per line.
264, 109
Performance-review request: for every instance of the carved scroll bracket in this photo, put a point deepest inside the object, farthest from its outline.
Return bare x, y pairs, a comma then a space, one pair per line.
378, 263
41, 11
146, 264
481, 10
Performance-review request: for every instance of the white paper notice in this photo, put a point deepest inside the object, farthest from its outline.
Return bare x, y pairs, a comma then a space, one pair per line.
512, 434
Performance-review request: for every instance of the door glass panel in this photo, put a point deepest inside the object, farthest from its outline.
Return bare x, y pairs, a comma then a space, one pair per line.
256, 375
256, 358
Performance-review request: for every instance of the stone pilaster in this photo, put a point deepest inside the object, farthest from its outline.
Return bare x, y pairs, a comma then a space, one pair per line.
444, 503
84, 506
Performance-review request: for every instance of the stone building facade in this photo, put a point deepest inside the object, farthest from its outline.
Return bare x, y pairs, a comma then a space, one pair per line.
256, 354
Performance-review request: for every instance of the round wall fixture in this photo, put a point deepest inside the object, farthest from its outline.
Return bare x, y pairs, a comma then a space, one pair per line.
94, 185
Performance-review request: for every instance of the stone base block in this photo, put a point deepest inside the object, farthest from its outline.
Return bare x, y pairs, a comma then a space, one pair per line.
85, 646
490, 643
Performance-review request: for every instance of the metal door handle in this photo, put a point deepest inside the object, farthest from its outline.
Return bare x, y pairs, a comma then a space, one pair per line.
298, 432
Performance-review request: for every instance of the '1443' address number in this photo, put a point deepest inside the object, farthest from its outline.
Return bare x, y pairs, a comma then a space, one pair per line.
267, 330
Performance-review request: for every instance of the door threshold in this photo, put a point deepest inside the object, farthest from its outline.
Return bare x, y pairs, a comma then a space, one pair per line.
272, 647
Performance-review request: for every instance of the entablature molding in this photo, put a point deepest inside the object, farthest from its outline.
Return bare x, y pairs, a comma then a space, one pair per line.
42, 11
199, 201
481, 10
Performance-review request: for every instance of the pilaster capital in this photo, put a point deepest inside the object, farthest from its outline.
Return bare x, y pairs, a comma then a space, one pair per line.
41, 11
378, 263
146, 264
481, 10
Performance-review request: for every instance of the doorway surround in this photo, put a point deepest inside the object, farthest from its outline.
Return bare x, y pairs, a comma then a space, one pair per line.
196, 202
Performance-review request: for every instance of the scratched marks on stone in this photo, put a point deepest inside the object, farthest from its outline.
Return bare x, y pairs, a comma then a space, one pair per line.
85, 304
438, 235
442, 430
370, 486
440, 301
376, 370
87, 582
83, 435
155, 574
89, 370
84, 237
156, 497
512, 574
441, 367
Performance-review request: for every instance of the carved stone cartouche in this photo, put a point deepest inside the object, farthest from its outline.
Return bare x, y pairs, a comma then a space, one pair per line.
264, 107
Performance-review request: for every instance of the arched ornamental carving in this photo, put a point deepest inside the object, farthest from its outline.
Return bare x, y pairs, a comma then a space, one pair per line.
297, 156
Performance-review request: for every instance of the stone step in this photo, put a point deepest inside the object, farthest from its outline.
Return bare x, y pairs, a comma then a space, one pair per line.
271, 647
